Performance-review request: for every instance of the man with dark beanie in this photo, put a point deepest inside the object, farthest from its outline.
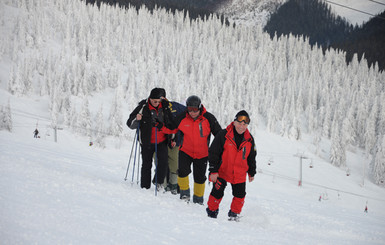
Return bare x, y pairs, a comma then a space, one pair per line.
231, 158
150, 116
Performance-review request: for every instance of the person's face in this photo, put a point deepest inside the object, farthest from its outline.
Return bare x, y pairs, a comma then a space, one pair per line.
193, 112
155, 102
240, 127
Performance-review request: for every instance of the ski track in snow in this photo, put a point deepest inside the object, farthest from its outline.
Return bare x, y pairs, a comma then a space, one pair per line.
70, 193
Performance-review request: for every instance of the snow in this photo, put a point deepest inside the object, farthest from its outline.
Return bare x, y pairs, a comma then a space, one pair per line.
67, 192
252, 12
356, 17
70, 193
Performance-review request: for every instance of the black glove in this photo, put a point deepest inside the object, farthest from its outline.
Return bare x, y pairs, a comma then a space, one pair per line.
165, 104
218, 184
155, 121
159, 125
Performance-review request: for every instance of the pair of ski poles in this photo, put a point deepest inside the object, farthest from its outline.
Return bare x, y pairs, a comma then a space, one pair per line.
137, 149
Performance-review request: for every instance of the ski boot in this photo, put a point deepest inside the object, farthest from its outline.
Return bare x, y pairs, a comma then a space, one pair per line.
233, 216
185, 195
198, 200
212, 214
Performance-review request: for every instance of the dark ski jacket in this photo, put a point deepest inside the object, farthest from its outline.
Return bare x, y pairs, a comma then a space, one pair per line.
150, 118
176, 110
230, 161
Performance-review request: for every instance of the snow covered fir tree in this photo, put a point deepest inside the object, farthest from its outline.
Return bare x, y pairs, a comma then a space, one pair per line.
68, 52
75, 72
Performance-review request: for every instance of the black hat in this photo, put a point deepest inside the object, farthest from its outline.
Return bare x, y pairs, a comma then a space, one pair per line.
241, 114
193, 101
156, 93
162, 92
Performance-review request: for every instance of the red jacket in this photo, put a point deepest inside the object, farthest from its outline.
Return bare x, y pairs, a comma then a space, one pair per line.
232, 163
196, 133
160, 136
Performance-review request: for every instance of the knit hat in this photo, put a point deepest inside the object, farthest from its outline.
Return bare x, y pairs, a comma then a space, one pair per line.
156, 93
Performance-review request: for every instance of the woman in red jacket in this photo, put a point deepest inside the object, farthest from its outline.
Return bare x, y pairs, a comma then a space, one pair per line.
232, 157
196, 125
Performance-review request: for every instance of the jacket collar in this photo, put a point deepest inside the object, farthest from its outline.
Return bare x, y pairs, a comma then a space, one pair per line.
230, 132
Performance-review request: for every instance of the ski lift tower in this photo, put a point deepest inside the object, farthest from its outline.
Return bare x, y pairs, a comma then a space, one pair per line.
55, 132
300, 156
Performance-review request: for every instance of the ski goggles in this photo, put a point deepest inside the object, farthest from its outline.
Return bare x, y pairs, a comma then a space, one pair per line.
244, 119
192, 108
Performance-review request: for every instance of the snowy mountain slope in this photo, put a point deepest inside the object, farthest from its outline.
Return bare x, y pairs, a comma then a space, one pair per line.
256, 12
249, 12
68, 192
349, 9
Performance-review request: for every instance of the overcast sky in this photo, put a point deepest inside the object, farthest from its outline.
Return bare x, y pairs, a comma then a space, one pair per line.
355, 17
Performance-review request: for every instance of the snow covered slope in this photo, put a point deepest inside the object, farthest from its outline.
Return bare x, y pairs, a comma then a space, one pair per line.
348, 9
70, 193
255, 12
250, 12
67, 192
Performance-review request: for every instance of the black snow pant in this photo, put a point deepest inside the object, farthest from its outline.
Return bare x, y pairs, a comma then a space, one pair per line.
147, 156
199, 167
239, 190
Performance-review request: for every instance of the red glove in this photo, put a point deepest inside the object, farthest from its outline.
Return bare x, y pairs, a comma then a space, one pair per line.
218, 185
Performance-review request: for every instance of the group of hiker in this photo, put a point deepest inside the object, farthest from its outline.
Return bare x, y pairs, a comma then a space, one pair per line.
178, 136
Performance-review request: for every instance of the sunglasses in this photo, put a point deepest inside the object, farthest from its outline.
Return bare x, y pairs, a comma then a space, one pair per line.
244, 119
192, 108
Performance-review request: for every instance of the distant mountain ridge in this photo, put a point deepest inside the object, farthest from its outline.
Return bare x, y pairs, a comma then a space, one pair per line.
310, 18
250, 12
314, 19
367, 41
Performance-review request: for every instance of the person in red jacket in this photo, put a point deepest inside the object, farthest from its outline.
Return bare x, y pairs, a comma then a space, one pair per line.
196, 125
231, 158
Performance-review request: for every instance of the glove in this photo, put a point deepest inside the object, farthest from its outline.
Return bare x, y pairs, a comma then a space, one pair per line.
218, 184
165, 104
159, 125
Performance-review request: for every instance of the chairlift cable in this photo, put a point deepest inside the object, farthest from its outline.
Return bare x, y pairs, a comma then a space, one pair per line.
354, 9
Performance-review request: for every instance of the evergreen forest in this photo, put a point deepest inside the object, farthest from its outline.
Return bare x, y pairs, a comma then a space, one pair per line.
71, 53
314, 19
195, 9
308, 18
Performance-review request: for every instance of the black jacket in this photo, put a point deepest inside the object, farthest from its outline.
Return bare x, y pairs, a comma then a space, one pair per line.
148, 120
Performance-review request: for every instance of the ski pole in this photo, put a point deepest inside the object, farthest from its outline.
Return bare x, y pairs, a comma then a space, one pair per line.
139, 154
133, 169
129, 160
136, 147
137, 174
156, 161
